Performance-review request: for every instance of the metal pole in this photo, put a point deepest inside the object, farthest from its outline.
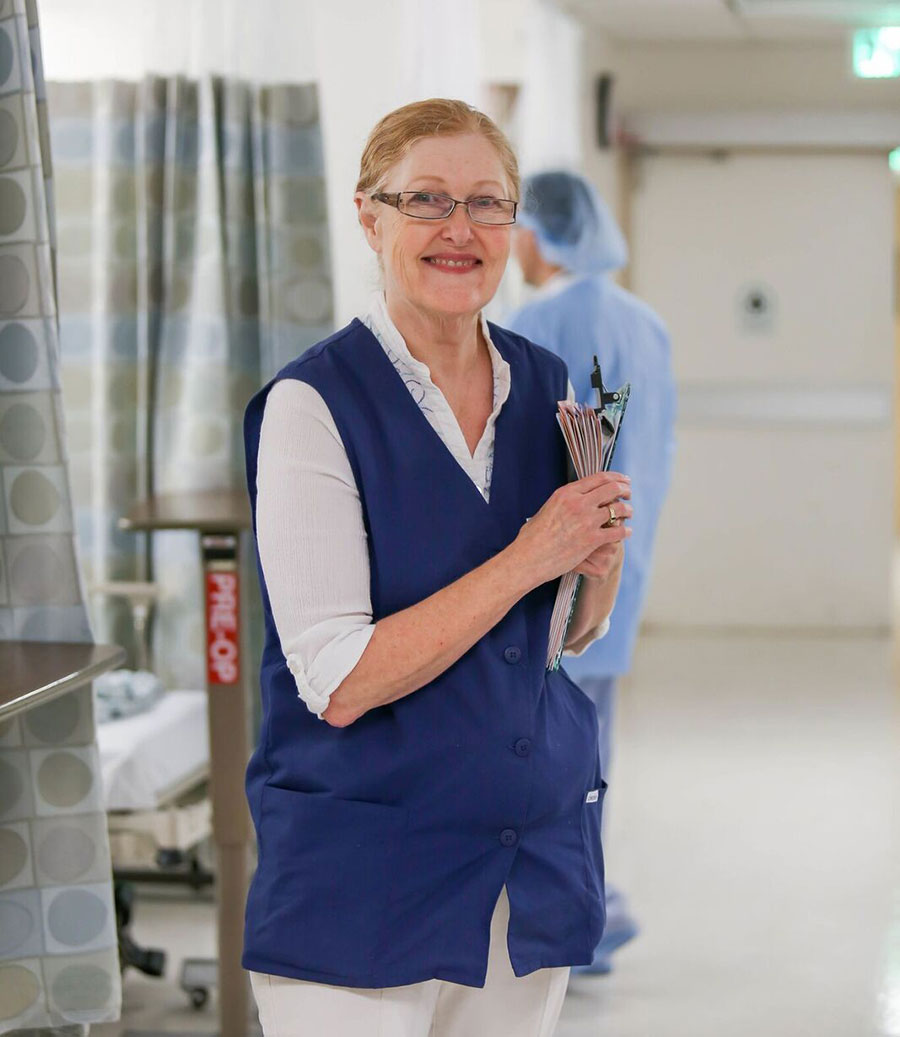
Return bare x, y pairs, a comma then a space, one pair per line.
229, 741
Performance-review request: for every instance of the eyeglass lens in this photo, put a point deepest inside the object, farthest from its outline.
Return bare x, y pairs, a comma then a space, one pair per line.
437, 206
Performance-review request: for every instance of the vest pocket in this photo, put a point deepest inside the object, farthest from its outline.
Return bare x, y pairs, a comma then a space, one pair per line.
591, 816
329, 866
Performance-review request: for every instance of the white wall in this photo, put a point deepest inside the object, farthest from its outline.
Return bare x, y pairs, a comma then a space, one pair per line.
783, 421
756, 532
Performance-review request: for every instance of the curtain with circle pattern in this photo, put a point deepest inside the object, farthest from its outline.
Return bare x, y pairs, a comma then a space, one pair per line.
193, 263
59, 968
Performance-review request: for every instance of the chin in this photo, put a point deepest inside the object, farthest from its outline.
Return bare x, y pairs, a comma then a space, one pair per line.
456, 301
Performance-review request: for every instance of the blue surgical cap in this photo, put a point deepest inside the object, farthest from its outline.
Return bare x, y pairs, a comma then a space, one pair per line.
573, 225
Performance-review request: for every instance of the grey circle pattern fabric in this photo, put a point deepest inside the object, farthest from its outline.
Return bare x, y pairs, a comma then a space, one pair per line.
13, 204
33, 498
23, 432
13, 854
15, 284
9, 136
76, 917
38, 574
7, 55
66, 854
18, 353
59, 967
17, 924
11, 786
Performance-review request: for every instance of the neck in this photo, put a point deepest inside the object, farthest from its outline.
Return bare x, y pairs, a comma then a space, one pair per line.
448, 344
543, 272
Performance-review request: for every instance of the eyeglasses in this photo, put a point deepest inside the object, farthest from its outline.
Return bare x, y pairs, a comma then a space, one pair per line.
424, 205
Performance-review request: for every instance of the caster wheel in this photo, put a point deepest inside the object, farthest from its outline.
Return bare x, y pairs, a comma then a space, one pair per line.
199, 996
169, 859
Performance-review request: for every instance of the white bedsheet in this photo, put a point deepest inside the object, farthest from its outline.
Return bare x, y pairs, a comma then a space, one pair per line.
146, 757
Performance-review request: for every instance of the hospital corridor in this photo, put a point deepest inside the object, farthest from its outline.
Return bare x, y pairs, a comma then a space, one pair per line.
449, 518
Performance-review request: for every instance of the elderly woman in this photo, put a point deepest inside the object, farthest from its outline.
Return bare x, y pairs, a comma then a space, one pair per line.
429, 827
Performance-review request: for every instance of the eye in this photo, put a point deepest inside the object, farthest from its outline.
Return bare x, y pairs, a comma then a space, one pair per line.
424, 198
486, 202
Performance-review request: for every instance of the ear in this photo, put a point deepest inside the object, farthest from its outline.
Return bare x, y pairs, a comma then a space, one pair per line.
367, 213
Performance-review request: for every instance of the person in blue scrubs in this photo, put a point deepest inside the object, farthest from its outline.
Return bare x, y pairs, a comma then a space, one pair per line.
567, 243
426, 793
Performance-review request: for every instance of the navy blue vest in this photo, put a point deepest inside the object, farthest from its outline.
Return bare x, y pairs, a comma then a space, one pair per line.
383, 846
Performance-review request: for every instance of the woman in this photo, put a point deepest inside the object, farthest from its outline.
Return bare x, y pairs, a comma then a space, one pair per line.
429, 856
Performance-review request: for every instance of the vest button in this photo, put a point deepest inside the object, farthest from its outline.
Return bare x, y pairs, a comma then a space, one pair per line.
508, 837
523, 747
512, 654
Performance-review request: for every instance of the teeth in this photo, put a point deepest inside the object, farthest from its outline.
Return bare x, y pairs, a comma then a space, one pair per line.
452, 262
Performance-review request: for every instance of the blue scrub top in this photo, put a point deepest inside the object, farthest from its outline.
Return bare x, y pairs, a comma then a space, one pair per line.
576, 318
383, 846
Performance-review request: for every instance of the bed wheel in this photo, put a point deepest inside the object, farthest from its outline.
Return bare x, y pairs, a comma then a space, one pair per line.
167, 859
198, 977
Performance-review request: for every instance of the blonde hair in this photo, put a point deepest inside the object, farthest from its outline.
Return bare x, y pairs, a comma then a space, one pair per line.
396, 133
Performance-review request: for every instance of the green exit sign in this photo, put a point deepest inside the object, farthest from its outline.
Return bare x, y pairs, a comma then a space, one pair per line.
876, 53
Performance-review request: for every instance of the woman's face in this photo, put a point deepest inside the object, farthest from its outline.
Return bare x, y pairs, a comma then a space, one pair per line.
448, 267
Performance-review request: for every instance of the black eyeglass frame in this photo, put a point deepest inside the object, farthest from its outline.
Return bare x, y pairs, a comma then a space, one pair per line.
394, 200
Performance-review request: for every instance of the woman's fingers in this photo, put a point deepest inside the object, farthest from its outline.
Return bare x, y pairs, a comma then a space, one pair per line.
611, 535
609, 481
608, 491
600, 562
616, 511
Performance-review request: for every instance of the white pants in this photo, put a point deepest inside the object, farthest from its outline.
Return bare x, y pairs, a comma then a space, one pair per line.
507, 1006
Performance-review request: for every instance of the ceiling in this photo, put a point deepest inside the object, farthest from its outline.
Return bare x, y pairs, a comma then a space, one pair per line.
685, 20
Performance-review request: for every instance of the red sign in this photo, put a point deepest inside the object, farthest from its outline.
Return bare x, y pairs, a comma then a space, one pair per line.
222, 647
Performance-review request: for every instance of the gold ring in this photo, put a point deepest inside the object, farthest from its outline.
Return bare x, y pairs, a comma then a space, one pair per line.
613, 518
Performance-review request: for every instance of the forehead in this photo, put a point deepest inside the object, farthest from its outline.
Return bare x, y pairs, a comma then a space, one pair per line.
456, 163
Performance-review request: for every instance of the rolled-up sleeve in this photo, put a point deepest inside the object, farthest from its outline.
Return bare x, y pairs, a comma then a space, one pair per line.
312, 542
587, 639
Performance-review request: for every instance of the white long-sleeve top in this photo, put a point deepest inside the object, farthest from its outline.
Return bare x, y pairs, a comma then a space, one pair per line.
310, 530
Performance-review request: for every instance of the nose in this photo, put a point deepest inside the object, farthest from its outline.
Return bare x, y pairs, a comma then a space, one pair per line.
457, 227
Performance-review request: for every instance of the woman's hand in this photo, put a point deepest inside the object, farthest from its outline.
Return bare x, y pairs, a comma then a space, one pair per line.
571, 530
600, 563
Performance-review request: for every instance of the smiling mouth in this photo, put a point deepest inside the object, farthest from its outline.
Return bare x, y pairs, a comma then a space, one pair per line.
443, 263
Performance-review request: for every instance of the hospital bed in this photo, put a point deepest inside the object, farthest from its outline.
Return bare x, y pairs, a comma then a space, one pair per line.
155, 768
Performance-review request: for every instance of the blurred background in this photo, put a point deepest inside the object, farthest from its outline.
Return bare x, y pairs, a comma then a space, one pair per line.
204, 156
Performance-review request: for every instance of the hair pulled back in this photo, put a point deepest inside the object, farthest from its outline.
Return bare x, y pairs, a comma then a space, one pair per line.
396, 133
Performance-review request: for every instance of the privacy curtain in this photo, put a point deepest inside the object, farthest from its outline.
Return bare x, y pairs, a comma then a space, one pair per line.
193, 263
58, 957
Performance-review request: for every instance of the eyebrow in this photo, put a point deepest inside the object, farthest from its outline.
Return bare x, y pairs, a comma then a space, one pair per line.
439, 180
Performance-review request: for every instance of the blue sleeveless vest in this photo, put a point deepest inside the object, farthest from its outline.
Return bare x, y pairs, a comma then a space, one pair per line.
383, 846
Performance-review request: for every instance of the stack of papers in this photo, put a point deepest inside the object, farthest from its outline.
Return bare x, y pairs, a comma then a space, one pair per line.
590, 434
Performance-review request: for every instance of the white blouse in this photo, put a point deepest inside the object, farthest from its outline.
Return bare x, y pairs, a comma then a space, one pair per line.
314, 556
